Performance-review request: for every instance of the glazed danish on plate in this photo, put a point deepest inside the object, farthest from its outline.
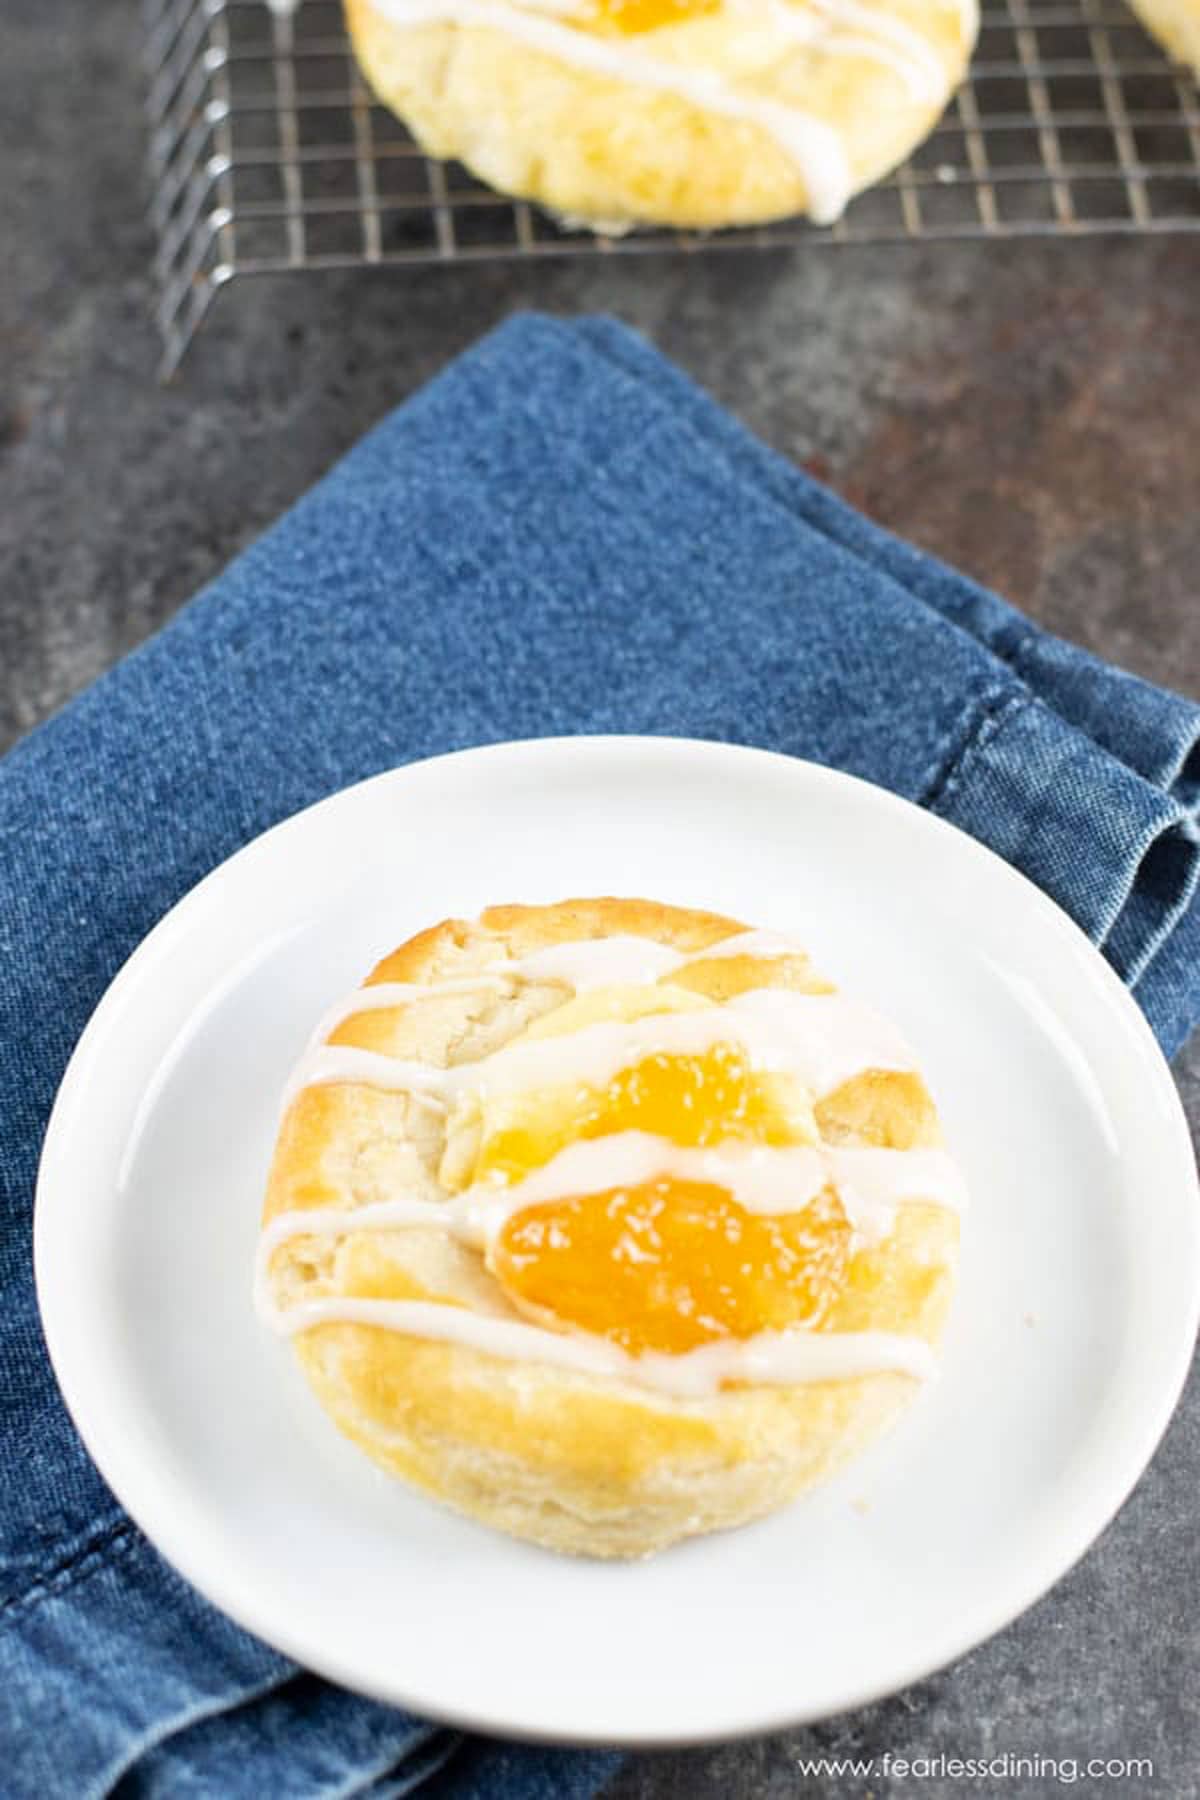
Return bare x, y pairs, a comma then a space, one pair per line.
679, 112
608, 1222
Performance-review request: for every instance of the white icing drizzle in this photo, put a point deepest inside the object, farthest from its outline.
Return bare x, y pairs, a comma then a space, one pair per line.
623, 960
926, 72
780, 1358
922, 76
589, 963
765, 944
463, 1218
870, 1183
879, 23
813, 146
582, 963
877, 36
331, 1064
821, 24
824, 1039
763, 1179
385, 996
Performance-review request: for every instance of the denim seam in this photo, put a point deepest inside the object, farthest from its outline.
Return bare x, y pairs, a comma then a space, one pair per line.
118, 1537
44, 1548
164, 1731
1018, 652
361, 1780
995, 709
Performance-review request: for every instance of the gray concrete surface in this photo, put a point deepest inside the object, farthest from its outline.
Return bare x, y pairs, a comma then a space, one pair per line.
1031, 412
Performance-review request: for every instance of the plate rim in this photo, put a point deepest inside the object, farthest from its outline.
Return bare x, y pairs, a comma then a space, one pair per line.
1061, 1549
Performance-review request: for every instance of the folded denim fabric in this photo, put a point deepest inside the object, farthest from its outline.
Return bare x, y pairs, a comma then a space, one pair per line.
558, 535
1149, 728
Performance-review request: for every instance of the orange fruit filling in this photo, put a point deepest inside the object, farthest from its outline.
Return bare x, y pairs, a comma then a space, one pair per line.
690, 1100
632, 16
672, 1265
666, 1265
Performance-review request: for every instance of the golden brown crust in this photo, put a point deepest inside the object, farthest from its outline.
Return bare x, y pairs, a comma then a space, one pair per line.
570, 1461
594, 147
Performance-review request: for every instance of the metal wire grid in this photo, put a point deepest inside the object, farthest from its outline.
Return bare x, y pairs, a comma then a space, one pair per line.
268, 154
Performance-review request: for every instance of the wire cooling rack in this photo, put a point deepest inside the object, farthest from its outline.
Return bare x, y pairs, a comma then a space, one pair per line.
268, 154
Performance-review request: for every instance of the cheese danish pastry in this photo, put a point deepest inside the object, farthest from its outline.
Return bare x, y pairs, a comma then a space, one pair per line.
608, 1222
680, 112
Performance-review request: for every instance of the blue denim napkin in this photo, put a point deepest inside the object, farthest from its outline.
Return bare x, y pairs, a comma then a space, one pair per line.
560, 534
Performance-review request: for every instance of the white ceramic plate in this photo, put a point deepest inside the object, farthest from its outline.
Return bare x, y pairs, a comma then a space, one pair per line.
1072, 1329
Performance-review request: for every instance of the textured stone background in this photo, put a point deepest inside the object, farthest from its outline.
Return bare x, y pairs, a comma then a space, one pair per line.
1031, 412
